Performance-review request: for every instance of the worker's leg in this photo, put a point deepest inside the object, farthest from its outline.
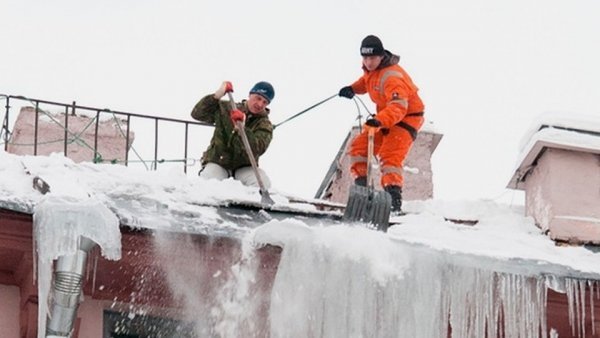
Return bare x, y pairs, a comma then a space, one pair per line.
247, 177
214, 171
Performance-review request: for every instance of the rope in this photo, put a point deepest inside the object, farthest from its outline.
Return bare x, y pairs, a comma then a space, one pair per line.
359, 115
363, 104
99, 158
305, 110
189, 162
356, 100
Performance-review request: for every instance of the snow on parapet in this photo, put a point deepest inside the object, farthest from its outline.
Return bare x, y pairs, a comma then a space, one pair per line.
59, 222
563, 120
561, 139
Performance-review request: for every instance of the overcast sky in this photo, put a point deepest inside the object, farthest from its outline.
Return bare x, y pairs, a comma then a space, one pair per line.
485, 70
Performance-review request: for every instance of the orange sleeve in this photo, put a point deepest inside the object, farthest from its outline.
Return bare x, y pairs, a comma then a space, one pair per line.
360, 86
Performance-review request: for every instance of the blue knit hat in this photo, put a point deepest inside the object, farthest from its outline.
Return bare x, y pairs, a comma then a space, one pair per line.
264, 89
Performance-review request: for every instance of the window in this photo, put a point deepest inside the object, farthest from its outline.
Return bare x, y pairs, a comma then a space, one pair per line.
124, 325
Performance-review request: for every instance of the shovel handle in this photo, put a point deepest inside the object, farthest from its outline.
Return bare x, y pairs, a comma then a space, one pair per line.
370, 151
231, 101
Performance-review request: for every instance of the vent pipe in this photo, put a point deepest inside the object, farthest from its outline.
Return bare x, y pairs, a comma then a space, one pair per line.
67, 289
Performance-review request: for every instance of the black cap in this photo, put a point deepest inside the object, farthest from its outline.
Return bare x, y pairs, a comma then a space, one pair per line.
371, 45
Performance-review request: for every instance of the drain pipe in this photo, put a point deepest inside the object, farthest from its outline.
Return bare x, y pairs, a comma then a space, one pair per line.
67, 289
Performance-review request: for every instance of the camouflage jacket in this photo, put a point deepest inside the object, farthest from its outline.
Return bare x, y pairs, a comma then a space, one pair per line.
226, 148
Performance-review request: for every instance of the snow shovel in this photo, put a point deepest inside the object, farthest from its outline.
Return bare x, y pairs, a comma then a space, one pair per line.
365, 204
265, 197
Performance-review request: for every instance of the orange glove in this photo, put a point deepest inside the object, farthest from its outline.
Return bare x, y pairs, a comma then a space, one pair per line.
373, 123
237, 115
225, 87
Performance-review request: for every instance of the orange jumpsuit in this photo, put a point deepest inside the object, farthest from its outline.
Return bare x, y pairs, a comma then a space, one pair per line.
400, 111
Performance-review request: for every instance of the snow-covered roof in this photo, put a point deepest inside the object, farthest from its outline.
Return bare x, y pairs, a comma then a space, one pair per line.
176, 202
555, 130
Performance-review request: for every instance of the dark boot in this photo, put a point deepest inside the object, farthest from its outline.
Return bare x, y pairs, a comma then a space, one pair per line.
361, 180
396, 192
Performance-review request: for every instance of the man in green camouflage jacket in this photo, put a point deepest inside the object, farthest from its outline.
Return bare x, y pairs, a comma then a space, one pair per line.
225, 156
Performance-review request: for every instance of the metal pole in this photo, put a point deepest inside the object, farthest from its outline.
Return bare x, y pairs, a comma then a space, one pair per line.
66, 128
96, 136
5, 125
35, 131
155, 144
185, 150
127, 140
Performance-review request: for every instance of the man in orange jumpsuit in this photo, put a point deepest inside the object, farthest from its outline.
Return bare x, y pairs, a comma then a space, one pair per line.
398, 119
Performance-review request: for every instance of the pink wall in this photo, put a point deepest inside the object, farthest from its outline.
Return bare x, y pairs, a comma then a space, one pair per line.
418, 175
90, 317
9, 311
563, 195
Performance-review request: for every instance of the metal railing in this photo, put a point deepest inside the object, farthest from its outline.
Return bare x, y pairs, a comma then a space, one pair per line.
71, 109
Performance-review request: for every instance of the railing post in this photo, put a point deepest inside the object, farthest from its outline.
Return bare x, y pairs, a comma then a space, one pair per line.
5, 124
185, 150
66, 128
35, 129
127, 140
155, 144
96, 136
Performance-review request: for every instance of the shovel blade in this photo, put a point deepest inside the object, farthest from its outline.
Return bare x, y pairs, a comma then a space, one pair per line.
369, 206
266, 198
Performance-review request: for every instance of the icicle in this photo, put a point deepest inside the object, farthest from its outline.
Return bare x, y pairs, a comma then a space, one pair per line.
576, 296
592, 286
571, 301
95, 269
325, 287
582, 319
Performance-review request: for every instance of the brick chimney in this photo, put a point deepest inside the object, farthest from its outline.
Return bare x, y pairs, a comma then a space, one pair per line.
418, 184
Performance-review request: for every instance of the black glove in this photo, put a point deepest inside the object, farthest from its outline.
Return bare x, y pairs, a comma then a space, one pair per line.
347, 92
373, 123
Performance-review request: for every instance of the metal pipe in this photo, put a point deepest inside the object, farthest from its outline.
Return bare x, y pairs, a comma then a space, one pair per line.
66, 130
66, 289
5, 125
96, 137
35, 132
127, 140
185, 151
155, 144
